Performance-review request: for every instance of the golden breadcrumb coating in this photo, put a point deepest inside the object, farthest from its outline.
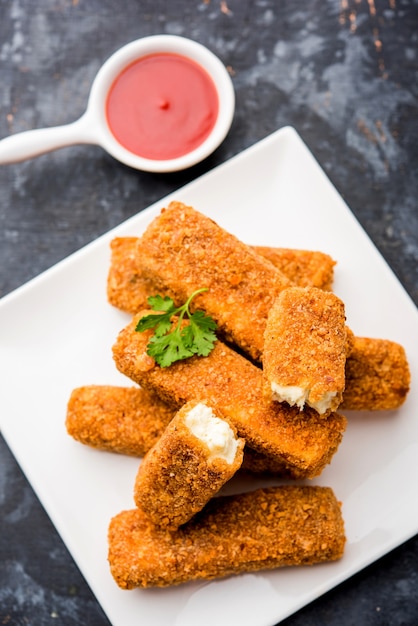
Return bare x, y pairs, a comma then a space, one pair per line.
302, 440
260, 464
183, 251
305, 268
128, 289
263, 529
305, 348
377, 375
127, 420
180, 474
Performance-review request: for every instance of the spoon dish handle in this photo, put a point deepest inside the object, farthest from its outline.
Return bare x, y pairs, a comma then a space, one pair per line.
33, 143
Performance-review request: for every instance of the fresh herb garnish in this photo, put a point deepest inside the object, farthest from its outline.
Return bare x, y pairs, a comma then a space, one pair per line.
176, 342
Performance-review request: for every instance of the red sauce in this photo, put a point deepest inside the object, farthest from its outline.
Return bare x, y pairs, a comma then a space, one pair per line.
162, 106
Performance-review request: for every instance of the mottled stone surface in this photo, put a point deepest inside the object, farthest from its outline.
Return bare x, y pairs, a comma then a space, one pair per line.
344, 73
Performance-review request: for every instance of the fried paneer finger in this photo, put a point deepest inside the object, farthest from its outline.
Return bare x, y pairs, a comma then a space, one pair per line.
305, 349
302, 440
305, 268
128, 289
183, 251
127, 420
196, 455
263, 529
377, 375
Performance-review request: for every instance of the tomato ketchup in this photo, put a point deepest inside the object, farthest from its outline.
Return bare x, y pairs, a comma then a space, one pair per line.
162, 106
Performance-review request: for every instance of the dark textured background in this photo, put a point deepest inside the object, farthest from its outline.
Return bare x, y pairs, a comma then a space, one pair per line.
344, 73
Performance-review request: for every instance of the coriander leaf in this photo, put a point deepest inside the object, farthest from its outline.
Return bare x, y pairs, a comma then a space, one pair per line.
202, 327
192, 333
158, 303
187, 337
168, 349
161, 322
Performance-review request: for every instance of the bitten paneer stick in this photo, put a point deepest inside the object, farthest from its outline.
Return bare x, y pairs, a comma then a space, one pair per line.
196, 455
263, 529
305, 349
128, 290
377, 375
302, 441
182, 251
127, 420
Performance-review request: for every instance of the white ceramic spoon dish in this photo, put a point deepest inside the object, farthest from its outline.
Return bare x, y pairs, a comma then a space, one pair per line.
92, 127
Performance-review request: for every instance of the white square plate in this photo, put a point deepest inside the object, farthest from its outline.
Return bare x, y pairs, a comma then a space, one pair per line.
57, 332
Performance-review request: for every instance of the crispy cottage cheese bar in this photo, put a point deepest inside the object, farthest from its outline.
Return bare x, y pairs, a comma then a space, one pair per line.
377, 375
196, 455
305, 268
302, 441
128, 289
263, 529
127, 420
182, 251
305, 349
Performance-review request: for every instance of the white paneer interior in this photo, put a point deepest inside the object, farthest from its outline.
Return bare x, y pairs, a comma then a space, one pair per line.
213, 431
299, 396
290, 394
324, 403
